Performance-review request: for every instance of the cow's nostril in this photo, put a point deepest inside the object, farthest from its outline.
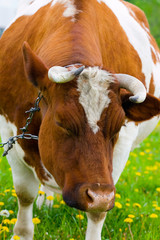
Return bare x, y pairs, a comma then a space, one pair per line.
89, 195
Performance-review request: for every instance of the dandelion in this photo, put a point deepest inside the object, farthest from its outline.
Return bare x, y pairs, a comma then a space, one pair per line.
41, 192
62, 202
56, 206
118, 195
50, 198
13, 221
14, 194
128, 200
153, 215
1, 203
36, 220
79, 216
158, 208
71, 239
136, 190
4, 213
118, 205
131, 216
16, 237
11, 212
138, 173
6, 221
142, 153
136, 205
128, 204
158, 189
128, 220
5, 229
7, 190
120, 229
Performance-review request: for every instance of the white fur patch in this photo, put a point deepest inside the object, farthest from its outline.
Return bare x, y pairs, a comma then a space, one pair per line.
137, 36
93, 86
130, 136
70, 8
94, 229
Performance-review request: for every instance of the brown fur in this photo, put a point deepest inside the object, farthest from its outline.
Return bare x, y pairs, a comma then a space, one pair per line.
67, 145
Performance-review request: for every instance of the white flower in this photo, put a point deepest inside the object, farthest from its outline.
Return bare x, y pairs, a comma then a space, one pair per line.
4, 213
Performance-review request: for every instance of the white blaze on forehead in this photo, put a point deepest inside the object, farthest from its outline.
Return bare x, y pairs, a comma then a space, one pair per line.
70, 8
137, 36
93, 85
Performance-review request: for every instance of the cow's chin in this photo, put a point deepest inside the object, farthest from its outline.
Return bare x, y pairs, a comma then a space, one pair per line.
90, 197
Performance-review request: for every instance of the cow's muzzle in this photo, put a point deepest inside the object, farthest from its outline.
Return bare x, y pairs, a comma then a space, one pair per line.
91, 197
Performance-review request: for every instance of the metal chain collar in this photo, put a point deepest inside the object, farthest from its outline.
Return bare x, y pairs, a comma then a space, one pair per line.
24, 135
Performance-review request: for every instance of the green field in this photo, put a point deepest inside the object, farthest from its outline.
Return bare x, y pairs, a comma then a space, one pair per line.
138, 194
136, 214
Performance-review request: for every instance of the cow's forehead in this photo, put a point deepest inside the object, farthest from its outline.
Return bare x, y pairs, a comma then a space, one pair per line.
93, 86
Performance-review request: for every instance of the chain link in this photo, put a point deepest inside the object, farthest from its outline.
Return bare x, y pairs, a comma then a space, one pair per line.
24, 135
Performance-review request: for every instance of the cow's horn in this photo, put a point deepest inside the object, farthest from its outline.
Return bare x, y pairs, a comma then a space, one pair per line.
62, 75
133, 85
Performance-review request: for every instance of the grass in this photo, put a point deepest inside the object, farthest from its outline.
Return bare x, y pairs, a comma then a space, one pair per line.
138, 195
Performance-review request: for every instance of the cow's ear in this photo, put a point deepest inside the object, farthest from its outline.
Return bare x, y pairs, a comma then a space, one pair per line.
35, 69
140, 111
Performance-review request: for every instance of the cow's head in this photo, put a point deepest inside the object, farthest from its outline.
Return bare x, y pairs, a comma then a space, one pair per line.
85, 110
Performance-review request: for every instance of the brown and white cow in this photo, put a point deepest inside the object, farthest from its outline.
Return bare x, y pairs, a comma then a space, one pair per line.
98, 69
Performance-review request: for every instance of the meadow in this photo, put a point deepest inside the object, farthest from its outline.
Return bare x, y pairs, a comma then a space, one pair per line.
136, 214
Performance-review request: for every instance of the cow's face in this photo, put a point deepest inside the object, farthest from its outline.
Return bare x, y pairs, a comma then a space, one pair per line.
79, 130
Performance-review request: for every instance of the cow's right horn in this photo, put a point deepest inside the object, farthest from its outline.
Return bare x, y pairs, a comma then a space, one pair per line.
59, 74
133, 85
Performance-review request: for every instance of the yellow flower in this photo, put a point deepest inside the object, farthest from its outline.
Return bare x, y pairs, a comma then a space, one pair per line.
153, 215
154, 205
118, 195
148, 150
14, 194
131, 216
41, 192
71, 239
13, 221
118, 205
16, 237
5, 229
158, 189
128, 220
79, 216
50, 198
158, 208
136, 205
1, 203
142, 153
128, 200
11, 212
62, 202
128, 204
120, 229
138, 173
36, 220
6, 221
7, 190
146, 172
56, 206
136, 190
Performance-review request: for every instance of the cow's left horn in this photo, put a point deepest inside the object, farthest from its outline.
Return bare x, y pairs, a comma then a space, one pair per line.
62, 75
133, 85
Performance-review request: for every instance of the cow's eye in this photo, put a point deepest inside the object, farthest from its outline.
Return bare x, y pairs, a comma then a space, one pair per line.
65, 129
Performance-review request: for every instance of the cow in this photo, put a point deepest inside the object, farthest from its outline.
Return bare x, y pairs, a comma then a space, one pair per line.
98, 69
